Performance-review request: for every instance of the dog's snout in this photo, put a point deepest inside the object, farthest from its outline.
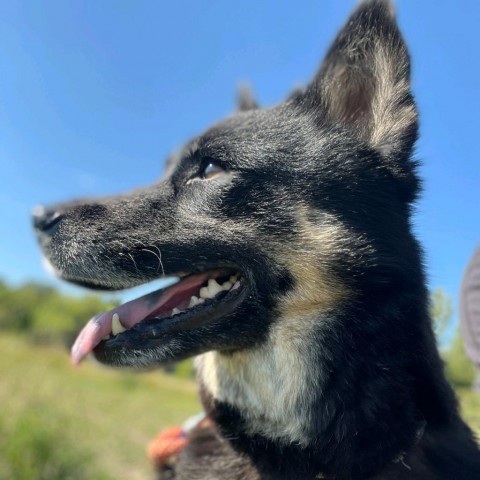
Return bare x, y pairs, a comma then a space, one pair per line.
46, 220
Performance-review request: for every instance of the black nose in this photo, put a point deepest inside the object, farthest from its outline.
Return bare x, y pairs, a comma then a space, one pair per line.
46, 220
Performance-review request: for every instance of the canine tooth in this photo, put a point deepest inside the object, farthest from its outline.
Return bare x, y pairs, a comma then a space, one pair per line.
213, 287
236, 285
176, 311
226, 285
117, 327
193, 301
211, 290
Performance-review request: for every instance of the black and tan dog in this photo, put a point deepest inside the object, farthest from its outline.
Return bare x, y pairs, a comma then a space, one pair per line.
301, 285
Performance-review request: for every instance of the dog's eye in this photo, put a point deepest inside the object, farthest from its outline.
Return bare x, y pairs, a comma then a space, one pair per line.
210, 170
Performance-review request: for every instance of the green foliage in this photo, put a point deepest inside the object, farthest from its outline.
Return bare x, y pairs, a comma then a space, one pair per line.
46, 315
59, 422
37, 446
459, 369
184, 369
17, 305
470, 408
440, 310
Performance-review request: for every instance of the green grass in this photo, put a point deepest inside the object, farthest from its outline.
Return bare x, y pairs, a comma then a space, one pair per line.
58, 422
61, 422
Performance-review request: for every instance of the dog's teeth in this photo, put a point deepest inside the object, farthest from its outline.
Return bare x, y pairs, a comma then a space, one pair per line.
213, 287
117, 327
176, 311
236, 285
193, 301
211, 290
201, 300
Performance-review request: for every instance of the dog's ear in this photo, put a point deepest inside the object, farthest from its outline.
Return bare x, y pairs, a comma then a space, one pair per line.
364, 81
245, 98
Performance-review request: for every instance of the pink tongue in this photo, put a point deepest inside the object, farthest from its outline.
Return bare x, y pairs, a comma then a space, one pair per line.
160, 303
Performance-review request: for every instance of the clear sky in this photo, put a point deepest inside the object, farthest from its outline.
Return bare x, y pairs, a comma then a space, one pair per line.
94, 95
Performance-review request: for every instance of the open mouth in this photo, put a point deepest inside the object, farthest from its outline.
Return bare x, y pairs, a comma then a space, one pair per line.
193, 301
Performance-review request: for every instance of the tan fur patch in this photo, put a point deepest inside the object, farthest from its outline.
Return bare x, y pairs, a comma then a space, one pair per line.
272, 385
317, 289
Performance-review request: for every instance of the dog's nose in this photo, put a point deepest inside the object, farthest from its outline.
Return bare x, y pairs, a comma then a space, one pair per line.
46, 220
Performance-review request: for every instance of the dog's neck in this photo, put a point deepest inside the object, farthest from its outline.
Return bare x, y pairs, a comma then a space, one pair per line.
271, 390
282, 400
274, 386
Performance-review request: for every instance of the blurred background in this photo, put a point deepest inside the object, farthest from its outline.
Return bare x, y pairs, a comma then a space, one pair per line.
93, 97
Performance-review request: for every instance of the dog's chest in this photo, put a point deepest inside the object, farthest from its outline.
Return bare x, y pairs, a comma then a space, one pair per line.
267, 390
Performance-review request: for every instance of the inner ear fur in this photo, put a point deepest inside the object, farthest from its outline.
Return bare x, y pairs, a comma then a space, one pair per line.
364, 82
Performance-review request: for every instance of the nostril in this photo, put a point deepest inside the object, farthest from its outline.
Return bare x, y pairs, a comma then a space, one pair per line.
45, 220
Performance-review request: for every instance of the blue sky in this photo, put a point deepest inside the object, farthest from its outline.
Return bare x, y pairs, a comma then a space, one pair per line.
94, 95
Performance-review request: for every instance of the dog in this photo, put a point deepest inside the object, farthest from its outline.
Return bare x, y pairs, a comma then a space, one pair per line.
301, 289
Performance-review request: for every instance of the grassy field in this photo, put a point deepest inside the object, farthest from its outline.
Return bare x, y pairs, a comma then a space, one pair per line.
60, 422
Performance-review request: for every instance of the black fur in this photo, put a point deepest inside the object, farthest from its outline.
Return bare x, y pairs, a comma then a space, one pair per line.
313, 207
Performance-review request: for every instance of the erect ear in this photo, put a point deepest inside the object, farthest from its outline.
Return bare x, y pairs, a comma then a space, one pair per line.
364, 81
245, 98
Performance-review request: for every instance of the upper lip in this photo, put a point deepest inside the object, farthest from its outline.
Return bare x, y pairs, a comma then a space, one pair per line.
117, 283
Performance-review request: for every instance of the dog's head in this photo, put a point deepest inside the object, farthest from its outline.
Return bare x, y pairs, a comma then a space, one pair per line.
271, 214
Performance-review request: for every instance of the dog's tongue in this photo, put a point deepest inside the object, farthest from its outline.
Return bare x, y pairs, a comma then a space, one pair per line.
158, 303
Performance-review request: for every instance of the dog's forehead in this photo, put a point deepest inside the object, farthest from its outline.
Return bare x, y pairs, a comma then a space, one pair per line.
252, 134
283, 136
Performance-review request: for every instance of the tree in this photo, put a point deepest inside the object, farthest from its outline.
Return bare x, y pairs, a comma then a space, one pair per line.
458, 367
440, 310
45, 314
